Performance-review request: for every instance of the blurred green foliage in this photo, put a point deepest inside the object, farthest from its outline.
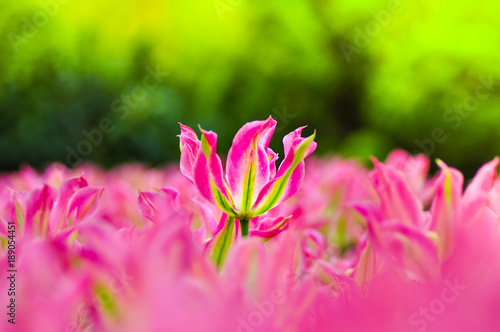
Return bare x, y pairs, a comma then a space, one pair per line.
367, 75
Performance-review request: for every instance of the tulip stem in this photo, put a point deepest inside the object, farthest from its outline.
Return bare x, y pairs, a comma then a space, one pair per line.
244, 227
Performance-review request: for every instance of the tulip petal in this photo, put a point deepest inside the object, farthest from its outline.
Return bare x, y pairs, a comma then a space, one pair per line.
270, 227
208, 217
247, 167
407, 247
273, 156
58, 214
367, 266
222, 240
83, 203
445, 208
478, 191
189, 145
290, 175
208, 175
397, 199
38, 205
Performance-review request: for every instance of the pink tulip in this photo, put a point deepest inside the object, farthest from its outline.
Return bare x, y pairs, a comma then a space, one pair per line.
251, 185
415, 169
387, 249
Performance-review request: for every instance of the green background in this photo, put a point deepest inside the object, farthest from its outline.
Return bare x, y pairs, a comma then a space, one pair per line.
367, 75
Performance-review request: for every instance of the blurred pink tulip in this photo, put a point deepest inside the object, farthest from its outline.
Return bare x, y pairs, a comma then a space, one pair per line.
387, 249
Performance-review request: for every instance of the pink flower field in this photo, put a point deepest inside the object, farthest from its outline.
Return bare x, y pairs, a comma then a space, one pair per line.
252, 241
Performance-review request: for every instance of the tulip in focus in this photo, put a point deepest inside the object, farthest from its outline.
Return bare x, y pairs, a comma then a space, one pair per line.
251, 184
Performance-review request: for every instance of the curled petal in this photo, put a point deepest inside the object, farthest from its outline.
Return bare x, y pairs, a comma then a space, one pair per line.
272, 156
415, 168
189, 145
208, 175
58, 214
290, 175
478, 191
156, 206
270, 227
83, 203
148, 204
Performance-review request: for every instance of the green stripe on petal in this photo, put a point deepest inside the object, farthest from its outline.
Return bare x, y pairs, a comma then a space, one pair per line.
447, 189
280, 184
249, 186
221, 201
205, 146
223, 241
19, 215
